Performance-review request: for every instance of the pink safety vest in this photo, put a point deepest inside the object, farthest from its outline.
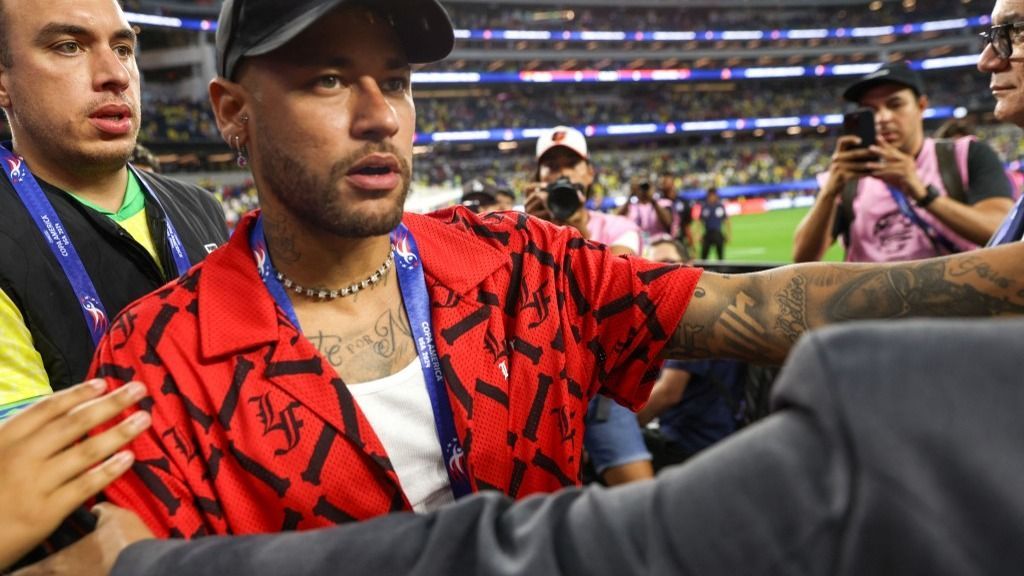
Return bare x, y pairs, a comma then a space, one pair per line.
881, 233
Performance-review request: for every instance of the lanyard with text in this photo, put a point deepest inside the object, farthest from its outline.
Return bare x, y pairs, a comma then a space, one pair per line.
928, 229
56, 235
416, 299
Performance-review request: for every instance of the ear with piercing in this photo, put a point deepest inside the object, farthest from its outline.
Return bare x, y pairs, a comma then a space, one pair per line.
243, 152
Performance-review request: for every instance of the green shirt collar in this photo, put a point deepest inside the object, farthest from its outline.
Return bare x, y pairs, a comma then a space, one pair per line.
134, 201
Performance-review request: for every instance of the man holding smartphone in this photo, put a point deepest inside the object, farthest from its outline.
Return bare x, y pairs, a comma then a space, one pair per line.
902, 196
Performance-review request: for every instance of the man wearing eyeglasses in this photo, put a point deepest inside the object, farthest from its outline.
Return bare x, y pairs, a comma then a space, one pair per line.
903, 196
1002, 58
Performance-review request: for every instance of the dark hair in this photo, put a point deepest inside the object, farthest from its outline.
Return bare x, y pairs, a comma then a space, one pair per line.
680, 249
5, 49
504, 192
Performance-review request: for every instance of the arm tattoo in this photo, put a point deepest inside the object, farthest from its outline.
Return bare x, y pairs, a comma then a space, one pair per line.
792, 301
758, 317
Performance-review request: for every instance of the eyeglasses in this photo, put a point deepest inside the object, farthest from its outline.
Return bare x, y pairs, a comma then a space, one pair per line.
999, 37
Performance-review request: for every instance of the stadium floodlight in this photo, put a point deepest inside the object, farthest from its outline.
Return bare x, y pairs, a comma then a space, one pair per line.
806, 34
955, 24
871, 32
638, 35
949, 62
670, 128
781, 72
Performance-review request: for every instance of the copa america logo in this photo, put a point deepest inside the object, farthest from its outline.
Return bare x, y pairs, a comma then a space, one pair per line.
406, 258
96, 315
261, 261
14, 169
456, 468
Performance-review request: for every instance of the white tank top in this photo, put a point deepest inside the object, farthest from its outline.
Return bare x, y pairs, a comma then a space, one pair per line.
400, 413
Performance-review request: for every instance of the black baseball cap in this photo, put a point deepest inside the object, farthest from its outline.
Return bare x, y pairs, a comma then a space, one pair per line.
255, 27
483, 193
896, 73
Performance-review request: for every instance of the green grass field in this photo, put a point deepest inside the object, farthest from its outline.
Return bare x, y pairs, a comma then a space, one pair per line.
768, 237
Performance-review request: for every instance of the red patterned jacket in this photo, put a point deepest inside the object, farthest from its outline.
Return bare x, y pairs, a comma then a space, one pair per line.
253, 431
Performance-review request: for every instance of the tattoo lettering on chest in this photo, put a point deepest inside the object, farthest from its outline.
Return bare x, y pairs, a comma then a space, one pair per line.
369, 353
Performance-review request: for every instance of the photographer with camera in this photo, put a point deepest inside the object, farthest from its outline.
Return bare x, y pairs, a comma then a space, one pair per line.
564, 176
563, 180
892, 194
647, 209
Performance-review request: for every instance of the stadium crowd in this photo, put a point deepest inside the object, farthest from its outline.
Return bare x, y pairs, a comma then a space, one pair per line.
545, 331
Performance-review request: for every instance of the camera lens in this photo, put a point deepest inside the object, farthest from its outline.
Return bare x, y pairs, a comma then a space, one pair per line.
563, 199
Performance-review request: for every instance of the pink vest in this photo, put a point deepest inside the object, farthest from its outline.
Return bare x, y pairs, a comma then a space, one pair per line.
609, 228
881, 233
646, 218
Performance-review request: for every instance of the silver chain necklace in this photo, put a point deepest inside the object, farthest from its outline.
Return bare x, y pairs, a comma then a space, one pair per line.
325, 294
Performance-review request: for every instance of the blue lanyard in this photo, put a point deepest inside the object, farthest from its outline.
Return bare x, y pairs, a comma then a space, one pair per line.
416, 300
928, 229
56, 235
1010, 230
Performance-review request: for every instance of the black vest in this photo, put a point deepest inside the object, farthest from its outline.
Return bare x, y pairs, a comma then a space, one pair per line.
120, 268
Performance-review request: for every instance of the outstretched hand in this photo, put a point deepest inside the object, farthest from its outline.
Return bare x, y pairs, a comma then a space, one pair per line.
48, 472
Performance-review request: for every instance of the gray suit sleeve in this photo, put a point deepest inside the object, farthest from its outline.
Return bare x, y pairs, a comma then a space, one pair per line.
895, 448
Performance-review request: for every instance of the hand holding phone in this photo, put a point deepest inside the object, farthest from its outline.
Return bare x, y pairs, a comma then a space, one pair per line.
860, 123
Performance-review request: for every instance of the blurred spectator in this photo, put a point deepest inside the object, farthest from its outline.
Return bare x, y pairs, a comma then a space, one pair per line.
479, 197
716, 226
506, 200
143, 159
648, 210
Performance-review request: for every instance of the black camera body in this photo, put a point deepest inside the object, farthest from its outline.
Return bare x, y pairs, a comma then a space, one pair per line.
564, 198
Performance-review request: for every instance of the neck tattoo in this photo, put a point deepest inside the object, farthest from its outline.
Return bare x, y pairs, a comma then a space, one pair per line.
328, 294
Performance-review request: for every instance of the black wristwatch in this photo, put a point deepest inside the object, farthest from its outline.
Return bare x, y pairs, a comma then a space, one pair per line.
930, 195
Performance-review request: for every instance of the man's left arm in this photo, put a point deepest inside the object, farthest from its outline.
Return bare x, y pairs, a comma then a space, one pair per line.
758, 317
989, 193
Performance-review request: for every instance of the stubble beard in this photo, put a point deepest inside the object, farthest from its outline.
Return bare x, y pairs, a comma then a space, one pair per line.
58, 143
316, 202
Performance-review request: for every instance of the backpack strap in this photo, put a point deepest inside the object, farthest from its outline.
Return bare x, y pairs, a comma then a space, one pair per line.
949, 170
847, 196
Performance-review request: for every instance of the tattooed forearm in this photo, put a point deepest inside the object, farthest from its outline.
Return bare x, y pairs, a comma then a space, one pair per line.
932, 288
758, 317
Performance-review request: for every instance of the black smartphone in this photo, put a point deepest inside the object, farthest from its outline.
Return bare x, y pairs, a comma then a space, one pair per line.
860, 122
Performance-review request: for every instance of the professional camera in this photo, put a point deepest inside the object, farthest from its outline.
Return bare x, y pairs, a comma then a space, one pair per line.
564, 198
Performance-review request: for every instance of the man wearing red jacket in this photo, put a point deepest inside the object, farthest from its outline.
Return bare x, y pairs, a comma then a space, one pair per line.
338, 360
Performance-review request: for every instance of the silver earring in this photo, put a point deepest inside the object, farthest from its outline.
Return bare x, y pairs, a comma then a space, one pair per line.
243, 159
